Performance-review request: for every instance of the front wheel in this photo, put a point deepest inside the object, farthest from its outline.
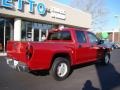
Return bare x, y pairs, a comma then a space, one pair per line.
106, 59
60, 68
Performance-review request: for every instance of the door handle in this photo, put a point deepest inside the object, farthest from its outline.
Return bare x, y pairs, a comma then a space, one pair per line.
92, 46
80, 46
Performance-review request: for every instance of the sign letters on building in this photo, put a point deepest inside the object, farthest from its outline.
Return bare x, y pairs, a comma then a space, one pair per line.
58, 13
41, 8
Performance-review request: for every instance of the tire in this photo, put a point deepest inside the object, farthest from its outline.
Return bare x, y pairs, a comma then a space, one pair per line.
112, 48
60, 69
106, 59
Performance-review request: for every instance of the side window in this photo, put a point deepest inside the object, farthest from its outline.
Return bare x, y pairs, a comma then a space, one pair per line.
92, 38
62, 35
80, 36
54, 36
66, 35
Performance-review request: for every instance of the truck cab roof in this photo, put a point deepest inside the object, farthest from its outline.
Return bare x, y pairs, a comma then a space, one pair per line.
68, 29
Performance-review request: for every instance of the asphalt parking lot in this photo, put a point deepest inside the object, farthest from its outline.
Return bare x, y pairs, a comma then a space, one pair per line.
86, 77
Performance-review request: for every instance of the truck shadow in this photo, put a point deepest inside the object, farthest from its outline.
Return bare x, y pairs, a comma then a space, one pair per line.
40, 73
46, 72
108, 76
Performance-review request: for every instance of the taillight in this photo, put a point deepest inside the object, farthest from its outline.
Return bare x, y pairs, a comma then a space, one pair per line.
29, 51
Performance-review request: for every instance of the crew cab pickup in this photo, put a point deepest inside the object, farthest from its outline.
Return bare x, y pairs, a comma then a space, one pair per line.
61, 50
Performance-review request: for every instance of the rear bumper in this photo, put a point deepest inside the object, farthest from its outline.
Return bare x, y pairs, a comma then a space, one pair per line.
17, 65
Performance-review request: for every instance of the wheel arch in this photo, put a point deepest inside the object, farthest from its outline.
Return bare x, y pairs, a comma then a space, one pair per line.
64, 55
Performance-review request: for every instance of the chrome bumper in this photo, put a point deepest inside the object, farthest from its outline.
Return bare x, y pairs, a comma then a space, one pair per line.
17, 65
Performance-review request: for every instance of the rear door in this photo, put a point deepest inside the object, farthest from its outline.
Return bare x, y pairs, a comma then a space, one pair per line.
82, 47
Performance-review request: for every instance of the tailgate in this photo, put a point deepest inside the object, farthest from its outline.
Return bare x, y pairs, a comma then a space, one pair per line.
17, 50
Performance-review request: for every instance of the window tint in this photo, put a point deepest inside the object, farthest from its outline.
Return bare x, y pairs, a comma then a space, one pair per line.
63, 35
92, 38
66, 35
80, 37
54, 36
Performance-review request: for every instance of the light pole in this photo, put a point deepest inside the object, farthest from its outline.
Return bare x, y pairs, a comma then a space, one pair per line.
113, 35
118, 26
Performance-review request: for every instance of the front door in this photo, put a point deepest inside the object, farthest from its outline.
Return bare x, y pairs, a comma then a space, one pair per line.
6, 32
94, 47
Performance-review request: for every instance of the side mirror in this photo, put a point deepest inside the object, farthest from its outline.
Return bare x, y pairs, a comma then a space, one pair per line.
100, 41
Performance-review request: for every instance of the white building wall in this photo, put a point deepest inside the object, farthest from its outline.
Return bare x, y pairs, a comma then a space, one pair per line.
73, 17
17, 29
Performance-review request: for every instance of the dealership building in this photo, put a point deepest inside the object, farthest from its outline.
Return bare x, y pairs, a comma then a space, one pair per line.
23, 20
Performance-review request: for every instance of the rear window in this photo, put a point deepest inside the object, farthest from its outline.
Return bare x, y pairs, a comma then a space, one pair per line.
63, 35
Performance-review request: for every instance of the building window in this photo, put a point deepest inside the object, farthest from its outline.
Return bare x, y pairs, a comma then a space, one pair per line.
32, 31
6, 32
26, 30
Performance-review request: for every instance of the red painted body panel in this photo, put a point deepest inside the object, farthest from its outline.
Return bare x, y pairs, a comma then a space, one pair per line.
43, 52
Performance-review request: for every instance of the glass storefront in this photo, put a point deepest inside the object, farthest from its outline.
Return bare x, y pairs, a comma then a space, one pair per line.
6, 32
32, 31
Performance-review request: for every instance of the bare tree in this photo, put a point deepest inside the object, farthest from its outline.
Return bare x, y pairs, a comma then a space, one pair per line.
96, 8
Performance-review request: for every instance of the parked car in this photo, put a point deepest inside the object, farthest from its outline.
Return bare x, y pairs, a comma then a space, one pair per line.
109, 44
61, 50
117, 44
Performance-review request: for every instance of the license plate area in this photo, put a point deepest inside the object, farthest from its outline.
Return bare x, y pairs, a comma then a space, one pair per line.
12, 62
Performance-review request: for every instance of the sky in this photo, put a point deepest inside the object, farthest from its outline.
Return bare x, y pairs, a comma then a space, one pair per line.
64, 1
113, 7
114, 10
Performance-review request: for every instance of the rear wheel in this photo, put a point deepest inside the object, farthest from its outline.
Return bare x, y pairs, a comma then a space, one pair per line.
60, 68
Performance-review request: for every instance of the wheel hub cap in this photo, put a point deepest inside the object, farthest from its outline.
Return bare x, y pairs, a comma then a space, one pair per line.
62, 70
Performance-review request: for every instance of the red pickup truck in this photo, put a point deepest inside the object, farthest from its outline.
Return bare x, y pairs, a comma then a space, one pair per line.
61, 50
